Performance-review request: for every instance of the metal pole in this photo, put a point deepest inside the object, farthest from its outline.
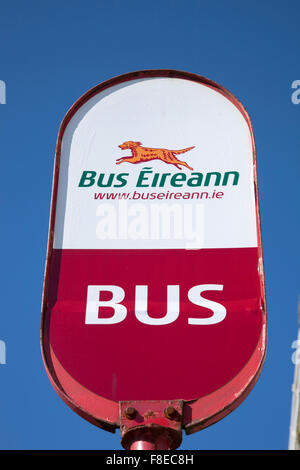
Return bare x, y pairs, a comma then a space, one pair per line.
146, 441
294, 439
142, 445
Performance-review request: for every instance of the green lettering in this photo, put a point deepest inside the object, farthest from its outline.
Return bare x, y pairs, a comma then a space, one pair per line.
109, 181
235, 178
121, 178
142, 177
155, 179
163, 179
87, 179
176, 178
208, 176
196, 180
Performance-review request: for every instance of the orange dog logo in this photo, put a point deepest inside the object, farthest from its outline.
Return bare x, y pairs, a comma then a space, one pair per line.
144, 154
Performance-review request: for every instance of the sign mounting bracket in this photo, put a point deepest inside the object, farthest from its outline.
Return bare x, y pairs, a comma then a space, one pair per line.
151, 424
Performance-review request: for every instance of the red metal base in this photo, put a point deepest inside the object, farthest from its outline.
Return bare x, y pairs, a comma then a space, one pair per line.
151, 439
151, 425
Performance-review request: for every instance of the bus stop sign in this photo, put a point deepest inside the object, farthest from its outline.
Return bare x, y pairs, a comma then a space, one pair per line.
154, 302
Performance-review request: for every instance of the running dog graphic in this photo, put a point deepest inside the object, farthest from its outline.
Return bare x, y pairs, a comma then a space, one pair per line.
144, 154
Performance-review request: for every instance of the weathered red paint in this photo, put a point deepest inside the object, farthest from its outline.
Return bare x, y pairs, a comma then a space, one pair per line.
197, 412
155, 425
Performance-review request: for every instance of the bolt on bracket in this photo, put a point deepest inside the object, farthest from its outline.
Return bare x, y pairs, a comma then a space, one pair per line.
156, 421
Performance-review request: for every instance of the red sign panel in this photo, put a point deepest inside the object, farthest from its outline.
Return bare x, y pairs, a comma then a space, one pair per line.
154, 286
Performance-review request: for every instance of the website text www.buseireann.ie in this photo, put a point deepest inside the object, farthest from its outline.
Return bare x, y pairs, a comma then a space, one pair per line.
137, 195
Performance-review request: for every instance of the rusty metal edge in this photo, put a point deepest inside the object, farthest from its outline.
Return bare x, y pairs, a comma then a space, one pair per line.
111, 425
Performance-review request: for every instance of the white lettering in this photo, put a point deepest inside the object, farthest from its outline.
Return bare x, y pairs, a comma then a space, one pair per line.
219, 311
94, 304
296, 94
2, 92
2, 352
141, 306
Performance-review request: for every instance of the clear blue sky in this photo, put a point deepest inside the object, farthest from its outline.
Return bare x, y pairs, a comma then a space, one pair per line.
54, 51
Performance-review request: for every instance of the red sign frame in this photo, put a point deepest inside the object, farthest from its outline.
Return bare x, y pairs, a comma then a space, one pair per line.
199, 413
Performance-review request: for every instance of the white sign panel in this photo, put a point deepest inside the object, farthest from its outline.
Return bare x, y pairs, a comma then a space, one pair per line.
156, 163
